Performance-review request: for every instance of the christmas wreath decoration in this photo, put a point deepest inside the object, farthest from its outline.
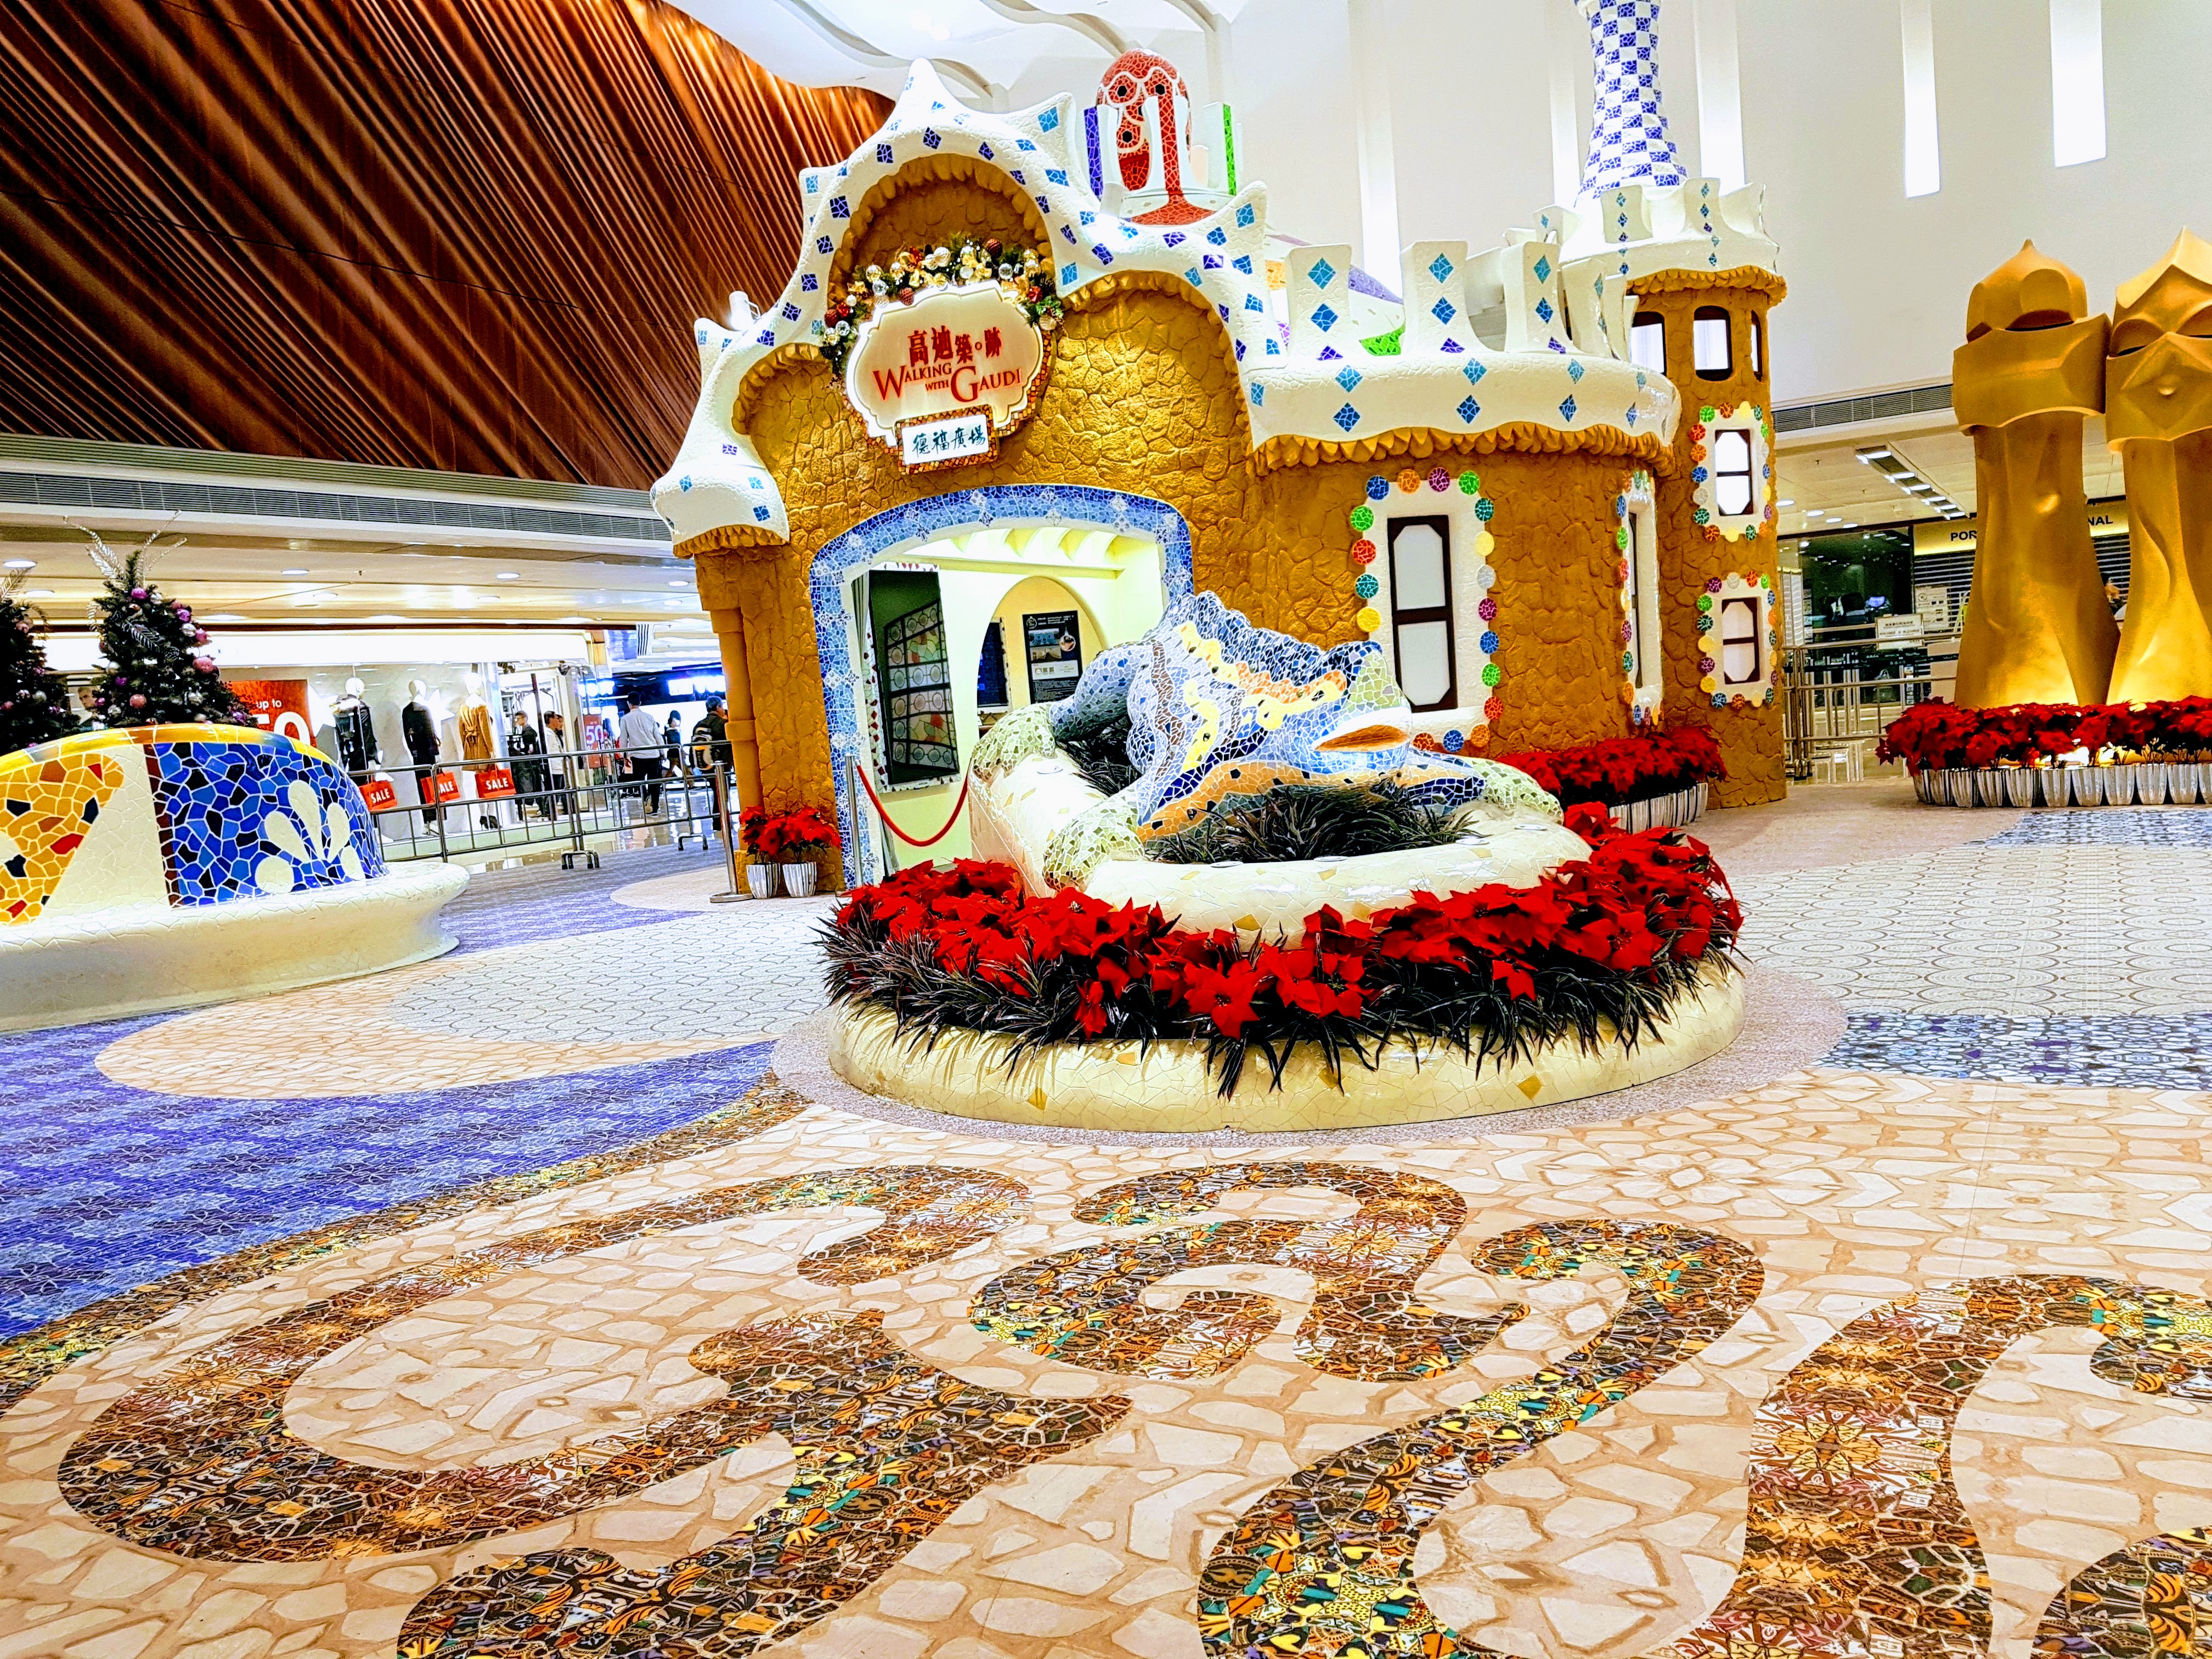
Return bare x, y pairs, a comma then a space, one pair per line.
1025, 273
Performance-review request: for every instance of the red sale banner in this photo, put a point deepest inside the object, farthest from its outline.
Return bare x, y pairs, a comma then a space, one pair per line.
449, 787
379, 794
494, 782
278, 706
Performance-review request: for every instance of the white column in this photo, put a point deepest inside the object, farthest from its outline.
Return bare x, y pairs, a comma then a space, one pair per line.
1378, 161
1720, 93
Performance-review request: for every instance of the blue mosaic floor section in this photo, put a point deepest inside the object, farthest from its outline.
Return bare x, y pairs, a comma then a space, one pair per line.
2137, 1051
103, 1188
537, 900
2118, 826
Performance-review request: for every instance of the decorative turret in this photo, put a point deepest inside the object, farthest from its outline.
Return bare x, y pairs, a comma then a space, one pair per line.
2037, 629
1629, 143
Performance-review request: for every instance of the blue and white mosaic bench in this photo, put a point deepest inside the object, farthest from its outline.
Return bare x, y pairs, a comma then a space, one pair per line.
171, 865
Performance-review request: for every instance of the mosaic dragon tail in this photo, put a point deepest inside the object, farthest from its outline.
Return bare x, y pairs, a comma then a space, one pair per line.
1324, 1564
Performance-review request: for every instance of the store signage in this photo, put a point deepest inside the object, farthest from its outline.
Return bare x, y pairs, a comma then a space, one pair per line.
494, 781
951, 352
1055, 656
379, 794
946, 439
1963, 535
449, 787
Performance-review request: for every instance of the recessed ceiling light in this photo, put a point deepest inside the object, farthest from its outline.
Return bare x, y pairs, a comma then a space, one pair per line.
19, 564
510, 575
1787, 500
225, 617
679, 584
295, 573
38, 592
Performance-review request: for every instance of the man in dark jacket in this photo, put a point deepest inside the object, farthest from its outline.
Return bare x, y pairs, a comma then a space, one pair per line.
710, 739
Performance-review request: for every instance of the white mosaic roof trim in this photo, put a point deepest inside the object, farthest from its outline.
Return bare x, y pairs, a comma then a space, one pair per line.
1629, 231
1303, 387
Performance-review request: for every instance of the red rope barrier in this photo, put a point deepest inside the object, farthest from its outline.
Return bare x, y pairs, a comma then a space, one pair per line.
884, 813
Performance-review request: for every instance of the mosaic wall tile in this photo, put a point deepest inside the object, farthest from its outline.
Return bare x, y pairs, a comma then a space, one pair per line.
2109, 1051
201, 1462
243, 819
48, 802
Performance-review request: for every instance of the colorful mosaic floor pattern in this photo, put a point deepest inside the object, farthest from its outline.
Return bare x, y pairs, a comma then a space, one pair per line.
1899, 1357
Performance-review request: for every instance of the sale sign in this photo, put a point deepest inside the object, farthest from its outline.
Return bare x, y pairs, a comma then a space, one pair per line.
494, 781
278, 706
947, 351
379, 794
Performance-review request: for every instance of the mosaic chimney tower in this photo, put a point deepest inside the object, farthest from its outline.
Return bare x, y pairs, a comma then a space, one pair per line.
1684, 274
2158, 414
1629, 144
2038, 628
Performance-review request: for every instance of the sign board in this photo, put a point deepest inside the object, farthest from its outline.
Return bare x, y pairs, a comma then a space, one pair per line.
1053, 643
1898, 630
1932, 604
494, 782
946, 440
449, 787
948, 352
379, 794
1961, 535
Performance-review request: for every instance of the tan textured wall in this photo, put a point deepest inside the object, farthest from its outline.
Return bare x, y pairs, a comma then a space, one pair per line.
1143, 397
1750, 739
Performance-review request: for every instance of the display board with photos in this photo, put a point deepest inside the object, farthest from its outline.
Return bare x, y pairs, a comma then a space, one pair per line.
1053, 644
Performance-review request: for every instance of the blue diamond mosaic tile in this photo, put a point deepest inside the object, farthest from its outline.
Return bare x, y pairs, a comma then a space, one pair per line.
239, 820
1322, 273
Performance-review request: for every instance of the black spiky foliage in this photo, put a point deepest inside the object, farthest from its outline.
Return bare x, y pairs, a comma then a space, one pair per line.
156, 668
1308, 821
33, 701
1100, 754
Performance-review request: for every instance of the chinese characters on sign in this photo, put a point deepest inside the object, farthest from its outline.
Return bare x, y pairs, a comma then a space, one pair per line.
956, 438
970, 352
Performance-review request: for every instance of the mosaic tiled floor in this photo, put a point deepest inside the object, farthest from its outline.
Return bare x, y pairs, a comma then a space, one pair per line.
1886, 1359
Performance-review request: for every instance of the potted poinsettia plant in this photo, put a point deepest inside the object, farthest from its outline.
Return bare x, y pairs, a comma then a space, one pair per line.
803, 835
787, 841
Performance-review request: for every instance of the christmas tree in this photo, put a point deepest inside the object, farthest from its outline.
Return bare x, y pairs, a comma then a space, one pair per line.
33, 701
156, 669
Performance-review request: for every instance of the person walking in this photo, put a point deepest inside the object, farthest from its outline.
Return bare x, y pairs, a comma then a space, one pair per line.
642, 744
710, 738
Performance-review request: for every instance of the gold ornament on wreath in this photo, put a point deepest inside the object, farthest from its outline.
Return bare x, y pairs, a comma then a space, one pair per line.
1024, 273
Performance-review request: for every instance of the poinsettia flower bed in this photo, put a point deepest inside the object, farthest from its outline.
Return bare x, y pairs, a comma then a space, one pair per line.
1501, 971
1941, 735
1615, 771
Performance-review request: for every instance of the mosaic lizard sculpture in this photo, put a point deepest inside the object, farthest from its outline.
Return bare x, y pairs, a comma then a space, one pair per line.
1219, 709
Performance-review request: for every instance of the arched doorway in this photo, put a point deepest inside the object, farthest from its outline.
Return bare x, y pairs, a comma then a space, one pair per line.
1124, 557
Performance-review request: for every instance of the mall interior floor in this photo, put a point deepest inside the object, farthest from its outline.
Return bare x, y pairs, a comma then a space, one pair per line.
552, 1297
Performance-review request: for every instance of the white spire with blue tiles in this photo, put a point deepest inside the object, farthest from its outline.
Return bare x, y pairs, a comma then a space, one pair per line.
1629, 144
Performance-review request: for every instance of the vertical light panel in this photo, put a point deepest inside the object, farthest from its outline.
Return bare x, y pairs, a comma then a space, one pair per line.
1566, 57
1378, 157
2077, 82
1720, 93
1924, 161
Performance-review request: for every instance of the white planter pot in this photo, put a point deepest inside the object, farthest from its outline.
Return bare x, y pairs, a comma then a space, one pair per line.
2019, 787
1957, 785
2183, 783
2120, 785
2152, 782
761, 879
1990, 789
1923, 785
798, 880
2085, 785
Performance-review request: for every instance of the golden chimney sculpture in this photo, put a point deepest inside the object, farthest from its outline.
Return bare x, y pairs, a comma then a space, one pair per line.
2033, 369
2158, 415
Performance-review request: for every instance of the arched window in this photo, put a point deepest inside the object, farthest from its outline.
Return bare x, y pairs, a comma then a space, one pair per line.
1647, 342
1743, 642
1421, 610
1709, 344
1733, 490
